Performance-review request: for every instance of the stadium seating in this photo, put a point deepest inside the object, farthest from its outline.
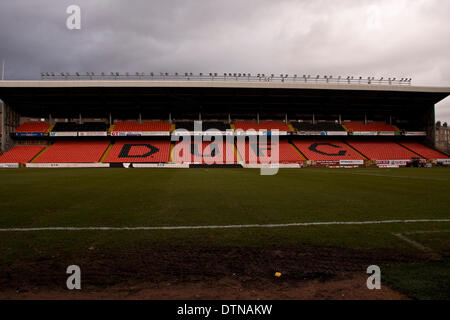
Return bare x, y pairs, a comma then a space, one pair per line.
74, 152
261, 126
20, 154
371, 126
84, 127
189, 125
65, 127
321, 126
326, 150
93, 127
205, 152
38, 127
411, 127
250, 153
130, 126
382, 150
139, 151
424, 151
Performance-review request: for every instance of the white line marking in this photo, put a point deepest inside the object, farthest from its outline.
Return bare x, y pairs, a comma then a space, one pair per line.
235, 226
413, 243
430, 252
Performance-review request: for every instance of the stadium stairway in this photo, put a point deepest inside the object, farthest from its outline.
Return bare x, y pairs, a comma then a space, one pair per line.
298, 151
382, 150
40, 153
361, 154
105, 155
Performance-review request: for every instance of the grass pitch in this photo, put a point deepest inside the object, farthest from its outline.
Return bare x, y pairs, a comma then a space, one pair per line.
192, 197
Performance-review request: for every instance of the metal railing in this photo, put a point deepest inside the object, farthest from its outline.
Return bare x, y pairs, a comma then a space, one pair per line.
240, 77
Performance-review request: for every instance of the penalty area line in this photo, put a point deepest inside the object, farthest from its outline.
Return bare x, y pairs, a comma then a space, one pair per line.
234, 226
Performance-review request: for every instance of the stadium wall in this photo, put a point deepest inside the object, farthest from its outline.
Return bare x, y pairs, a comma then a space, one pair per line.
10, 121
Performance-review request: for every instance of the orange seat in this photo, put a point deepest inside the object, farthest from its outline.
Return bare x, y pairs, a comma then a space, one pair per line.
326, 150
20, 154
74, 152
204, 152
33, 127
371, 126
382, 150
140, 151
255, 153
130, 126
262, 126
424, 151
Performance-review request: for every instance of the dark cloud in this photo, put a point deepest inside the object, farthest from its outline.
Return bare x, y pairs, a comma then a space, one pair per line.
401, 38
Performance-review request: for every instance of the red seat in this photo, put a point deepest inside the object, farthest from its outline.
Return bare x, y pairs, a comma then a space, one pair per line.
20, 154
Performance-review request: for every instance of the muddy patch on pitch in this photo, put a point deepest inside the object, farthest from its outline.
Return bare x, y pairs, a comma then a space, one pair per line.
203, 273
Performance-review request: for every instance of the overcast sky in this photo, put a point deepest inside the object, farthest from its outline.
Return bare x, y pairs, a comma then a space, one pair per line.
390, 38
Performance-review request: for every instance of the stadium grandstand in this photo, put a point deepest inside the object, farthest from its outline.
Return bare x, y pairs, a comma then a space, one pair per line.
213, 121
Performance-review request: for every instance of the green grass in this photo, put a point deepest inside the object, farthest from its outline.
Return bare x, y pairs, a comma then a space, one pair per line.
422, 281
182, 197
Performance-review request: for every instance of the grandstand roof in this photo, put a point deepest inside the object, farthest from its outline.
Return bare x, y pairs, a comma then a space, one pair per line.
37, 97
